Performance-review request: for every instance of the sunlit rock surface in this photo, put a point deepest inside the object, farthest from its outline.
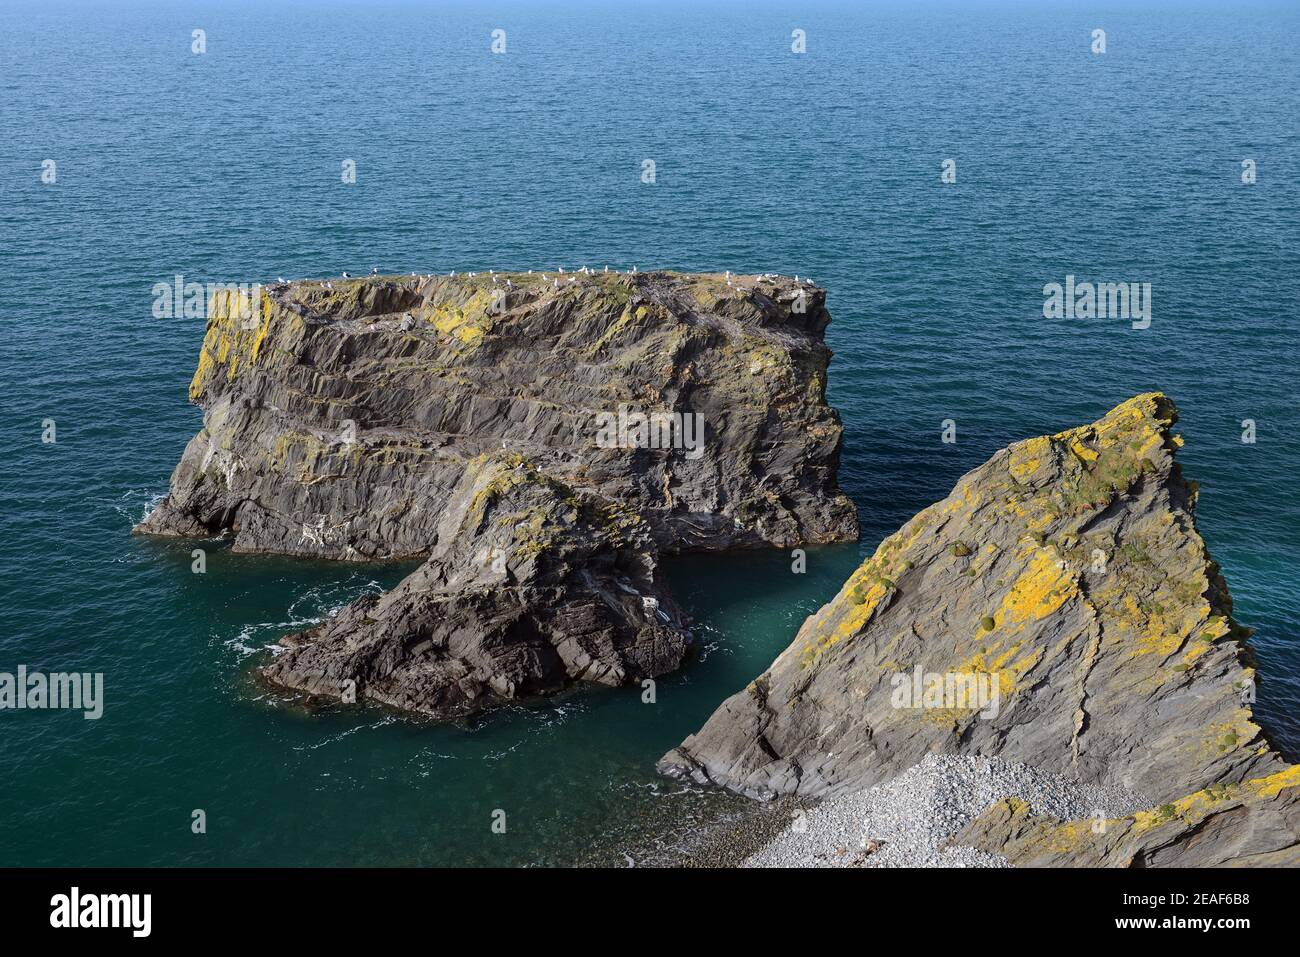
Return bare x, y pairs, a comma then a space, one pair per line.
1068, 570
466, 420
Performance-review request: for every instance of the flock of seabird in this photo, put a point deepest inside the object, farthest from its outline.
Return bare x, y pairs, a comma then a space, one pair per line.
555, 281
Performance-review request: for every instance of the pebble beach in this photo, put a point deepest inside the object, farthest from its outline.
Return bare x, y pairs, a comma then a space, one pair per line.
907, 821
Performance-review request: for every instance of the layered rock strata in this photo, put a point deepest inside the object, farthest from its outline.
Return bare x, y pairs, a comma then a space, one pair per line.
1060, 609
538, 439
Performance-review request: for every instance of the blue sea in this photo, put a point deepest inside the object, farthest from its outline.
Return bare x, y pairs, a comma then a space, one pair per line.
226, 165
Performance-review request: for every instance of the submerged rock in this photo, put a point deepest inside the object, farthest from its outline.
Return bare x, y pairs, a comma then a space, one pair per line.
539, 440
1065, 578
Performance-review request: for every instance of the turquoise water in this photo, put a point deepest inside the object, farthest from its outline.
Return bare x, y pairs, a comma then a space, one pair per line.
225, 167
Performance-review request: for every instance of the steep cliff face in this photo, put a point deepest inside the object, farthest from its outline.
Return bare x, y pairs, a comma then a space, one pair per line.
1065, 576
539, 439
338, 420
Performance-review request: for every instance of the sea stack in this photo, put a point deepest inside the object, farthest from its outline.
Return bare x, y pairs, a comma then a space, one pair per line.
1065, 575
538, 446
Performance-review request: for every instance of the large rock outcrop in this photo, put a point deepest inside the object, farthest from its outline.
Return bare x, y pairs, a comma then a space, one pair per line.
1067, 576
530, 586
539, 439
339, 416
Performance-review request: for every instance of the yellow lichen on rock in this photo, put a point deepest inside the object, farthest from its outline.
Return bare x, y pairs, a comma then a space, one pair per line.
1042, 588
1027, 457
1271, 785
868, 586
237, 327
467, 321
855, 617
264, 328
1082, 452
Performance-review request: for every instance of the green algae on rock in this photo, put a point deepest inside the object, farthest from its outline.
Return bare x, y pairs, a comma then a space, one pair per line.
1084, 589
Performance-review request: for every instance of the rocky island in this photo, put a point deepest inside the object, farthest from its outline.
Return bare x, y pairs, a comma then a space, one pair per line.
1046, 660
1065, 577
539, 440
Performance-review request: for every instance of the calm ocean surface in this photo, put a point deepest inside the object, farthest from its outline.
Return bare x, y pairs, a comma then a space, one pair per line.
226, 167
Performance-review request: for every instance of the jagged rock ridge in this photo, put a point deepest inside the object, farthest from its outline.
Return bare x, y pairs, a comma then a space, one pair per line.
1068, 569
458, 420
